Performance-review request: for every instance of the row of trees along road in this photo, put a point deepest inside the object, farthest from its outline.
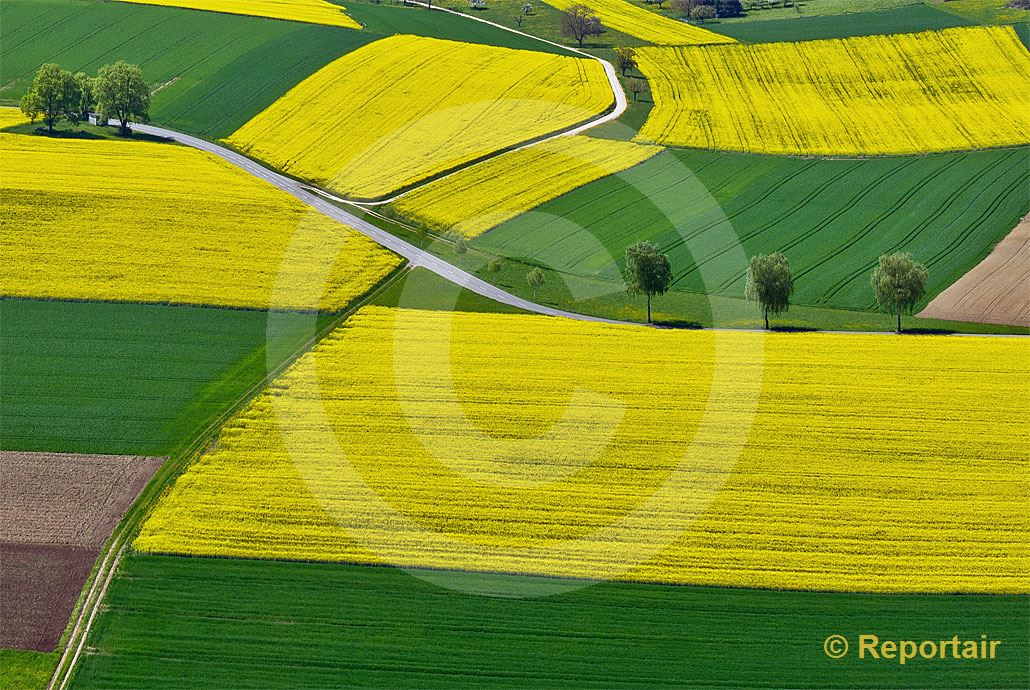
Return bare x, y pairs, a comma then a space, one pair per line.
898, 282
118, 91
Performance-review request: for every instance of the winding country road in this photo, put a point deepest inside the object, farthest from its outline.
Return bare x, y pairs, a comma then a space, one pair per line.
416, 257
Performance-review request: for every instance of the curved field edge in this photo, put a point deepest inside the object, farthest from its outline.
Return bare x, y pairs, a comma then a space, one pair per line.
274, 454
477, 198
308, 11
479, 101
217, 622
175, 226
92, 598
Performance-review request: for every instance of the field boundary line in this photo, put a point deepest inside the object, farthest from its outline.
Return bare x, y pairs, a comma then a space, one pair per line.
178, 461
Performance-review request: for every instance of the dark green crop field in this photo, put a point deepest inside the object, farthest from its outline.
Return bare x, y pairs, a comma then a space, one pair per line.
198, 622
831, 218
899, 20
211, 72
127, 378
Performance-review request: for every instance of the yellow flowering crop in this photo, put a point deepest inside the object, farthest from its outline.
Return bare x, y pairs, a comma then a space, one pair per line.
475, 199
309, 11
625, 17
540, 445
147, 222
905, 93
12, 117
405, 108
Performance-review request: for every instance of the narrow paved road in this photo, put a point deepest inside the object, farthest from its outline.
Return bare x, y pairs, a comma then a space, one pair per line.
414, 255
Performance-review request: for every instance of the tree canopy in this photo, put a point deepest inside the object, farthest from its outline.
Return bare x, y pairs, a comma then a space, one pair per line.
54, 95
769, 282
899, 283
578, 22
122, 93
648, 271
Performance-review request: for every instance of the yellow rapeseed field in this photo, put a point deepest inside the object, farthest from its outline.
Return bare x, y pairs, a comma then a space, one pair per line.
147, 222
12, 117
309, 11
631, 19
539, 445
899, 94
405, 108
475, 199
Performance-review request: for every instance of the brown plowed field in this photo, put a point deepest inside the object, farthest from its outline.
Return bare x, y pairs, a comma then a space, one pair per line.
61, 498
997, 290
38, 587
56, 511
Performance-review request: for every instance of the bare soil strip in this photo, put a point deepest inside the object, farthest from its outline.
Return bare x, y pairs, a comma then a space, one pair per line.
997, 290
56, 512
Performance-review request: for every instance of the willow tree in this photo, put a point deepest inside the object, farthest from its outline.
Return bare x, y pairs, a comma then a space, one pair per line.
899, 283
770, 283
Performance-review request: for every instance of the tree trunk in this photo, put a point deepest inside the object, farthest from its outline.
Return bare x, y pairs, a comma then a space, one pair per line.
649, 307
766, 319
899, 319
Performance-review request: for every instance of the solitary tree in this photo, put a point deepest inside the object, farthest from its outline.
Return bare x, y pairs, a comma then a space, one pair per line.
535, 278
702, 12
625, 59
899, 283
122, 93
53, 95
770, 284
648, 272
578, 22
635, 86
